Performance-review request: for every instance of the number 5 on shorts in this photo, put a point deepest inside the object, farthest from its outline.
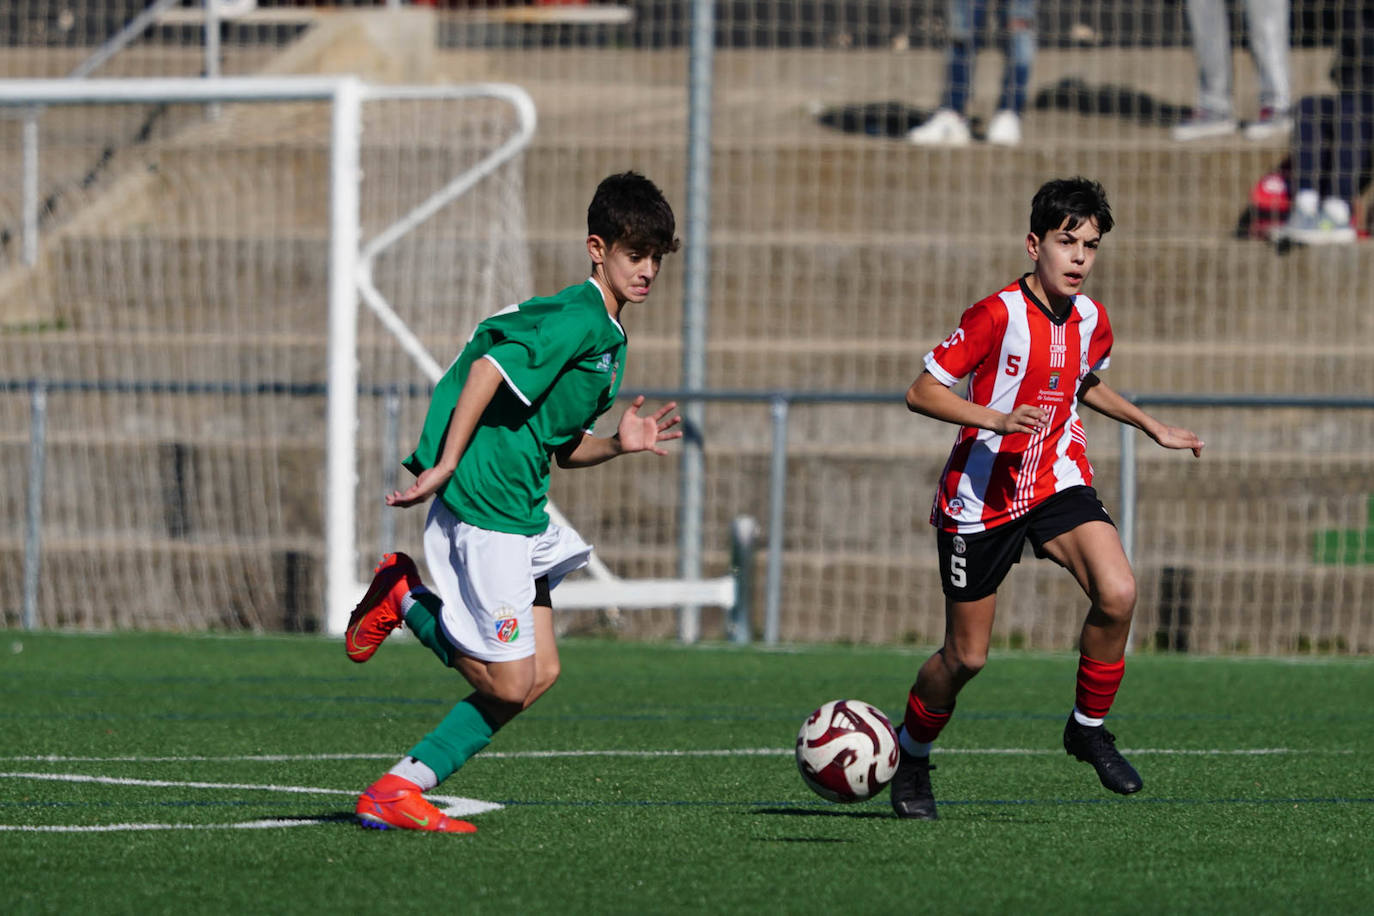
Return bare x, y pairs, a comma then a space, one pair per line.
957, 575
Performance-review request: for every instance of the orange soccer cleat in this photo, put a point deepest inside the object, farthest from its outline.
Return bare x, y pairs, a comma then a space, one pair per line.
380, 610
393, 801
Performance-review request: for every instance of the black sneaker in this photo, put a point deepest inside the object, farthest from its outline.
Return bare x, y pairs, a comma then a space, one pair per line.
1097, 746
910, 787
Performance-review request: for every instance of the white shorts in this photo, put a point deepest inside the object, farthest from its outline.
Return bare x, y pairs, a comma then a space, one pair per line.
486, 581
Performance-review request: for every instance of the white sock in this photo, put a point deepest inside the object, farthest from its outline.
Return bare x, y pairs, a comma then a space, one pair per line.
416, 772
1089, 721
911, 745
408, 601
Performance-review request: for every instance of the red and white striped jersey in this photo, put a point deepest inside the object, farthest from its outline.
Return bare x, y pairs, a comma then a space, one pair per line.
1017, 353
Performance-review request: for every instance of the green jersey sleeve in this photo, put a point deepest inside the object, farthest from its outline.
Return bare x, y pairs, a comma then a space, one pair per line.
531, 355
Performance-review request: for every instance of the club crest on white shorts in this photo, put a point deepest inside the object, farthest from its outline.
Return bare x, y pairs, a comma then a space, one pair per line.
507, 629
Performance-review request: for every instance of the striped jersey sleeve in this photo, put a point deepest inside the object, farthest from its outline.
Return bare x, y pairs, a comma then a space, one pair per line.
1014, 351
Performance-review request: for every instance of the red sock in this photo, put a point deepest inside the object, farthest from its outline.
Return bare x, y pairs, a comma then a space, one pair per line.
922, 724
1097, 685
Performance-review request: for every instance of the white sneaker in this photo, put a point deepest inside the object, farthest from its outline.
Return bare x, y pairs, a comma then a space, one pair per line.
1309, 224
1336, 211
1005, 128
1273, 123
945, 128
1204, 124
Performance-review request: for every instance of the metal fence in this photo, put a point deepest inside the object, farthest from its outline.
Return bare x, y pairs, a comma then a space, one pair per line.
1173, 631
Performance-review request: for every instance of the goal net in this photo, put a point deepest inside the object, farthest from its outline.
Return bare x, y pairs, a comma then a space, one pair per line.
168, 351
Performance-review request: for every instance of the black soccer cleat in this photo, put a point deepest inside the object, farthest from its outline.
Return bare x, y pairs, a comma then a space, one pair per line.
1097, 746
912, 796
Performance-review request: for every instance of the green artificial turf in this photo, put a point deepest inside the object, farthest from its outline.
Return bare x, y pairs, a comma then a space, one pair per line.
659, 779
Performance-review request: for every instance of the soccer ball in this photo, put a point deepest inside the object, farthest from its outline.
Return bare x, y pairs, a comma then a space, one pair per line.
847, 751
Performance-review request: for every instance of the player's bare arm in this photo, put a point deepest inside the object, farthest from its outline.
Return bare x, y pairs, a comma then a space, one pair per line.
1096, 394
929, 396
481, 385
633, 434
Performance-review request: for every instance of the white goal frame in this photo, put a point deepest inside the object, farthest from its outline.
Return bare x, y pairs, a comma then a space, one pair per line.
350, 282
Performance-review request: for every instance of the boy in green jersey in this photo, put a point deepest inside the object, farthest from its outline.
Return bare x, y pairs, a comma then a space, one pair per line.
526, 389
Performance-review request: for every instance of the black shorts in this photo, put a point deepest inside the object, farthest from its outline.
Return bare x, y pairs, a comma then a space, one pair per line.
972, 566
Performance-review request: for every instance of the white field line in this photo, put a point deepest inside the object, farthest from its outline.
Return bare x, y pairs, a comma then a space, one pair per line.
451, 805
113, 828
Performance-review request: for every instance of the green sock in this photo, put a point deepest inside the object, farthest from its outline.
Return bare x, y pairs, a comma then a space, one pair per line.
464, 732
422, 619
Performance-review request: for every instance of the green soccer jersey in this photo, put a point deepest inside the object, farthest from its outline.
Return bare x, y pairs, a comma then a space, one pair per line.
561, 357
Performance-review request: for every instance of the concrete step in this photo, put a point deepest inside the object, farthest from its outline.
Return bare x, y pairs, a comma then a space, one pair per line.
733, 363
237, 476
203, 283
219, 360
823, 182
1241, 606
151, 583
1213, 511
195, 491
1274, 368
1218, 292
846, 185
1245, 607
225, 528
915, 284
189, 358
234, 284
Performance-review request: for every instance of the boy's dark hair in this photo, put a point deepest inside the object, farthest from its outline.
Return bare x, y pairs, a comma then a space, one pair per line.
630, 209
1074, 199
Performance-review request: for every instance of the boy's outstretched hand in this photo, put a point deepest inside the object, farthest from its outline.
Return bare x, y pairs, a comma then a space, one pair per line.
1177, 437
642, 434
429, 482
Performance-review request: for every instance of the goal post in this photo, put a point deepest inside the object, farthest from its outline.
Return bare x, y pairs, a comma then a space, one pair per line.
173, 219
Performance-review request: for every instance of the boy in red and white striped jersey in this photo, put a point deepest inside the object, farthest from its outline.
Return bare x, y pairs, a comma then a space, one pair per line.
1019, 471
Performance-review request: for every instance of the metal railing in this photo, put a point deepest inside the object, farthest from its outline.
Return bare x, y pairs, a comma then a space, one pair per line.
779, 403
732, 592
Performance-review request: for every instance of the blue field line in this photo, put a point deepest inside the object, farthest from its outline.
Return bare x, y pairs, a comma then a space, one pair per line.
821, 809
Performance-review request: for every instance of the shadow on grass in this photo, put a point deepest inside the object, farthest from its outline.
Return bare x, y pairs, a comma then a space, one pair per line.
824, 812
969, 813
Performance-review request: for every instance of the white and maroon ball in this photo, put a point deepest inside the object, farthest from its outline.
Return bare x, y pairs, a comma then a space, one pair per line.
847, 751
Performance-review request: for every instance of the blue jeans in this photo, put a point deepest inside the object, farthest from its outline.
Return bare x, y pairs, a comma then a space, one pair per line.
1333, 143
967, 19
